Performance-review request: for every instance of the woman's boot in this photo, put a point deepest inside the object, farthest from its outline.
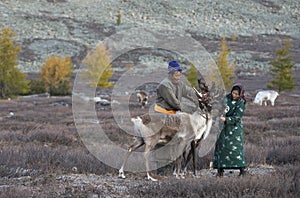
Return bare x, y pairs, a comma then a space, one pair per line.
220, 172
242, 172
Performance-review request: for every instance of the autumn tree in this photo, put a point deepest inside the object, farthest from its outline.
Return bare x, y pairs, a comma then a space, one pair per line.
226, 68
281, 69
99, 68
12, 80
55, 73
192, 76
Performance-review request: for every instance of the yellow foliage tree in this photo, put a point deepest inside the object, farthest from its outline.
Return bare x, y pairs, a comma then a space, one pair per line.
192, 76
56, 73
99, 68
226, 69
12, 80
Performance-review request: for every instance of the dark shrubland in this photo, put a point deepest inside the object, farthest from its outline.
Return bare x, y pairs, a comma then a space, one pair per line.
40, 142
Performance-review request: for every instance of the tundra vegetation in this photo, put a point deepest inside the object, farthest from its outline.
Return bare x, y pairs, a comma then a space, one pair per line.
42, 155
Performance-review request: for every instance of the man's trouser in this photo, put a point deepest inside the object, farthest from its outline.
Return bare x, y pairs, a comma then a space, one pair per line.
163, 110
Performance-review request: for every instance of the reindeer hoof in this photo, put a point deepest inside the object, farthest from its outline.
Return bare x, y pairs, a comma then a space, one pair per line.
151, 178
121, 175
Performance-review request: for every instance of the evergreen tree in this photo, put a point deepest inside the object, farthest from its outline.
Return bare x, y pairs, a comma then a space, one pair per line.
119, 17
99, 68
56, 73
226, 69
12, 80
282, 69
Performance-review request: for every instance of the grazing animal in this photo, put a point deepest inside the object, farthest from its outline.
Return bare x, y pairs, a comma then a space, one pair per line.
264, 96
142, 97
184, 128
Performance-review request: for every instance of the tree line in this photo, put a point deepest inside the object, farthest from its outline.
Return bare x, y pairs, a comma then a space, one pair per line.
54, 75
56, 72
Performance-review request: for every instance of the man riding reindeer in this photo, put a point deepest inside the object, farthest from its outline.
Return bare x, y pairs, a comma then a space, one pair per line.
168, 124
169, 96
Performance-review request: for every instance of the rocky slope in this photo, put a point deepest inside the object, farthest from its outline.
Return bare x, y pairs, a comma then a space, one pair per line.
72, 27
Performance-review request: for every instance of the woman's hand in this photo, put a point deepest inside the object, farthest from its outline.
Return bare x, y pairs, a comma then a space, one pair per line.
223, 118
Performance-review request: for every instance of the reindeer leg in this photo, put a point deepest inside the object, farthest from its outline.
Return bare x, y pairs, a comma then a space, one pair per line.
189, 155
194, 145
146, 155
180, 159
184, 162
178, 167
130, 149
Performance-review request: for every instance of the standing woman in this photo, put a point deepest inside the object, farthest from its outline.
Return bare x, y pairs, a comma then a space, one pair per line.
229, 148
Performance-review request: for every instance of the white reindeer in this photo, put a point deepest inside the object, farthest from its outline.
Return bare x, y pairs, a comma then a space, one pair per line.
264, 96
181, 128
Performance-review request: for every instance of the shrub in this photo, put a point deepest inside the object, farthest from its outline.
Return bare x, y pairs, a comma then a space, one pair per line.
37, 87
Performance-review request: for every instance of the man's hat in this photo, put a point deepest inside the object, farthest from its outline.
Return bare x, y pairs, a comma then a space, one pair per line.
173, 67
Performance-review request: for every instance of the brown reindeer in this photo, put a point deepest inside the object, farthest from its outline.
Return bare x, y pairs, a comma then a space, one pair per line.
180, 129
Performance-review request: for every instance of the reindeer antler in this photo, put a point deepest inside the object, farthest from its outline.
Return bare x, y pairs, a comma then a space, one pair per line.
198, 93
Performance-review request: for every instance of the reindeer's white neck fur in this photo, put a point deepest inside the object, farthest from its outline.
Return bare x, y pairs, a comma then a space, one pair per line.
201, 125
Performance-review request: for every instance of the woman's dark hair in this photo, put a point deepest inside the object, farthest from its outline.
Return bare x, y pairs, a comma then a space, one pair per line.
236, 88
240, 88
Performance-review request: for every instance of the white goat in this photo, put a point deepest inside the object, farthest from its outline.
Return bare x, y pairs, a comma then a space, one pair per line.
264, 96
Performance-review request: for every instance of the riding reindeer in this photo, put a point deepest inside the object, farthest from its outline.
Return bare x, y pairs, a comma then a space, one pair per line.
180, 128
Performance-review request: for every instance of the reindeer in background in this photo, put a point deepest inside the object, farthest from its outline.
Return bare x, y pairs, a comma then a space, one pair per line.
265, 95
142, 97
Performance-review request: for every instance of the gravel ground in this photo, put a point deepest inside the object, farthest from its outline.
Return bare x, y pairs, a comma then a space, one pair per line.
91, 185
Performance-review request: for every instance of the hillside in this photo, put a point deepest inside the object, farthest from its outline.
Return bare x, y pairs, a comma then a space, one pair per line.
74, 27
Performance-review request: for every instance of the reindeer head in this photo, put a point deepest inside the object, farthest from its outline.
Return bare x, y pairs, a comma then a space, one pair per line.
203, 96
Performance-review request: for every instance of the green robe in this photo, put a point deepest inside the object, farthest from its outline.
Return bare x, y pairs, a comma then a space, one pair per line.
229, 148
